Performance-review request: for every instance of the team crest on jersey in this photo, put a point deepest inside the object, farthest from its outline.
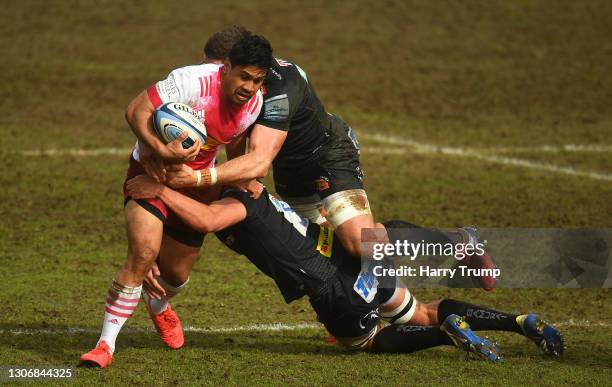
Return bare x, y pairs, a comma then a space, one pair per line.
326, 241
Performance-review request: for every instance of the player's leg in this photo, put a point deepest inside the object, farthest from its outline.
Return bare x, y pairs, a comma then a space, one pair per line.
340, 186
144, 232
399, 306
406, 338
480, 318
399, 230
355, 323
179, 252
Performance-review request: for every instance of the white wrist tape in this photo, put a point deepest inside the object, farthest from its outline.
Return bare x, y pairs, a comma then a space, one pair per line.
213, 175
198, 178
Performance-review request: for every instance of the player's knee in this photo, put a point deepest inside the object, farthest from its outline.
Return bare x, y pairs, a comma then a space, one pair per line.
348, 206
176, 277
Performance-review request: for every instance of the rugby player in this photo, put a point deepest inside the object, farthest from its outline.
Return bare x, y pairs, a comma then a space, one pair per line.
314, 154
177, 272
228, 99
304, 258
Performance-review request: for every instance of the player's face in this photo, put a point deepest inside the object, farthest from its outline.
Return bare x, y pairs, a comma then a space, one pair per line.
240, 83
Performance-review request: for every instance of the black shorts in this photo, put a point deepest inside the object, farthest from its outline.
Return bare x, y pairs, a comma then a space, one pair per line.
337, 169
344, 312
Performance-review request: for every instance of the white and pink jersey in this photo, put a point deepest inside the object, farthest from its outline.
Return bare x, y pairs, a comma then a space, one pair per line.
199, 86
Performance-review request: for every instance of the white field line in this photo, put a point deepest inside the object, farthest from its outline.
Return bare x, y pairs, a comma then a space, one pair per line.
587, 148
422, 148
77, 152
276, 327
575, 148
404, 146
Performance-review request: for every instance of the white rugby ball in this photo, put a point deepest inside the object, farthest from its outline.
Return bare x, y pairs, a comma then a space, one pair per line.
171, 119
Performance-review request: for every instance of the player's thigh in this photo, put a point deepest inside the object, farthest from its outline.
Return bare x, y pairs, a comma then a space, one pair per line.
144, 232
340, 184
297, 187
176, 260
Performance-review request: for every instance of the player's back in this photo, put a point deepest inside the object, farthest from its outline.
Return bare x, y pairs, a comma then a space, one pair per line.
284, 246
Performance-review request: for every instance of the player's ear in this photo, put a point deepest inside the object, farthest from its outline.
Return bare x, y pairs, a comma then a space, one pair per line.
227, 66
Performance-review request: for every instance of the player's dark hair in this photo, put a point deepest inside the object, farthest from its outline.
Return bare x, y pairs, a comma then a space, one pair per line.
254, 50
218, 46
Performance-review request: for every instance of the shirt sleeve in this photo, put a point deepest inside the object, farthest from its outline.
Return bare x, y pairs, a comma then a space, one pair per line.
279, 106
181, 85
244, 197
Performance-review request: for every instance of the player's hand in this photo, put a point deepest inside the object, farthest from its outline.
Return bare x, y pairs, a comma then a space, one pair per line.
152, 163
180, 176
174, 152
255, 188
143, 187
150, 284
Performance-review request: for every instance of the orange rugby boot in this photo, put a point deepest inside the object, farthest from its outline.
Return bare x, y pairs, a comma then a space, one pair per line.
168, 327
101, 356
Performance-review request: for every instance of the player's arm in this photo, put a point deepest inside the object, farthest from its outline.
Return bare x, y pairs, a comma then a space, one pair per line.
264, 145
181, 85
139, 116
237, 147
201, 217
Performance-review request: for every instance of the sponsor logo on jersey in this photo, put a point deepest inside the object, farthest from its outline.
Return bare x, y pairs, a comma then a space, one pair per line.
366, 285
326, 241
276, 108
168, 89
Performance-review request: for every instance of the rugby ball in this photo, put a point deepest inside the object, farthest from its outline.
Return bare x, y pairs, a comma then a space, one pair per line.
171, 119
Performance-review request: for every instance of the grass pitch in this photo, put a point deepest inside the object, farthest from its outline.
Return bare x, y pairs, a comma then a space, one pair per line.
473, 75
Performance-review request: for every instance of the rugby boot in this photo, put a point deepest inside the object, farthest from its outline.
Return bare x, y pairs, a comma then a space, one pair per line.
460, 333
101, 356
168, 326
545, 336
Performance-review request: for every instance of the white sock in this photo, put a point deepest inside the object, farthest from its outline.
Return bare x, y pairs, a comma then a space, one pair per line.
158, 306
121, 301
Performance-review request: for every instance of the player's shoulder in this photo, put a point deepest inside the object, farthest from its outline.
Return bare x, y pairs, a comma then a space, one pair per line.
252, 205
198, 70
283, 73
